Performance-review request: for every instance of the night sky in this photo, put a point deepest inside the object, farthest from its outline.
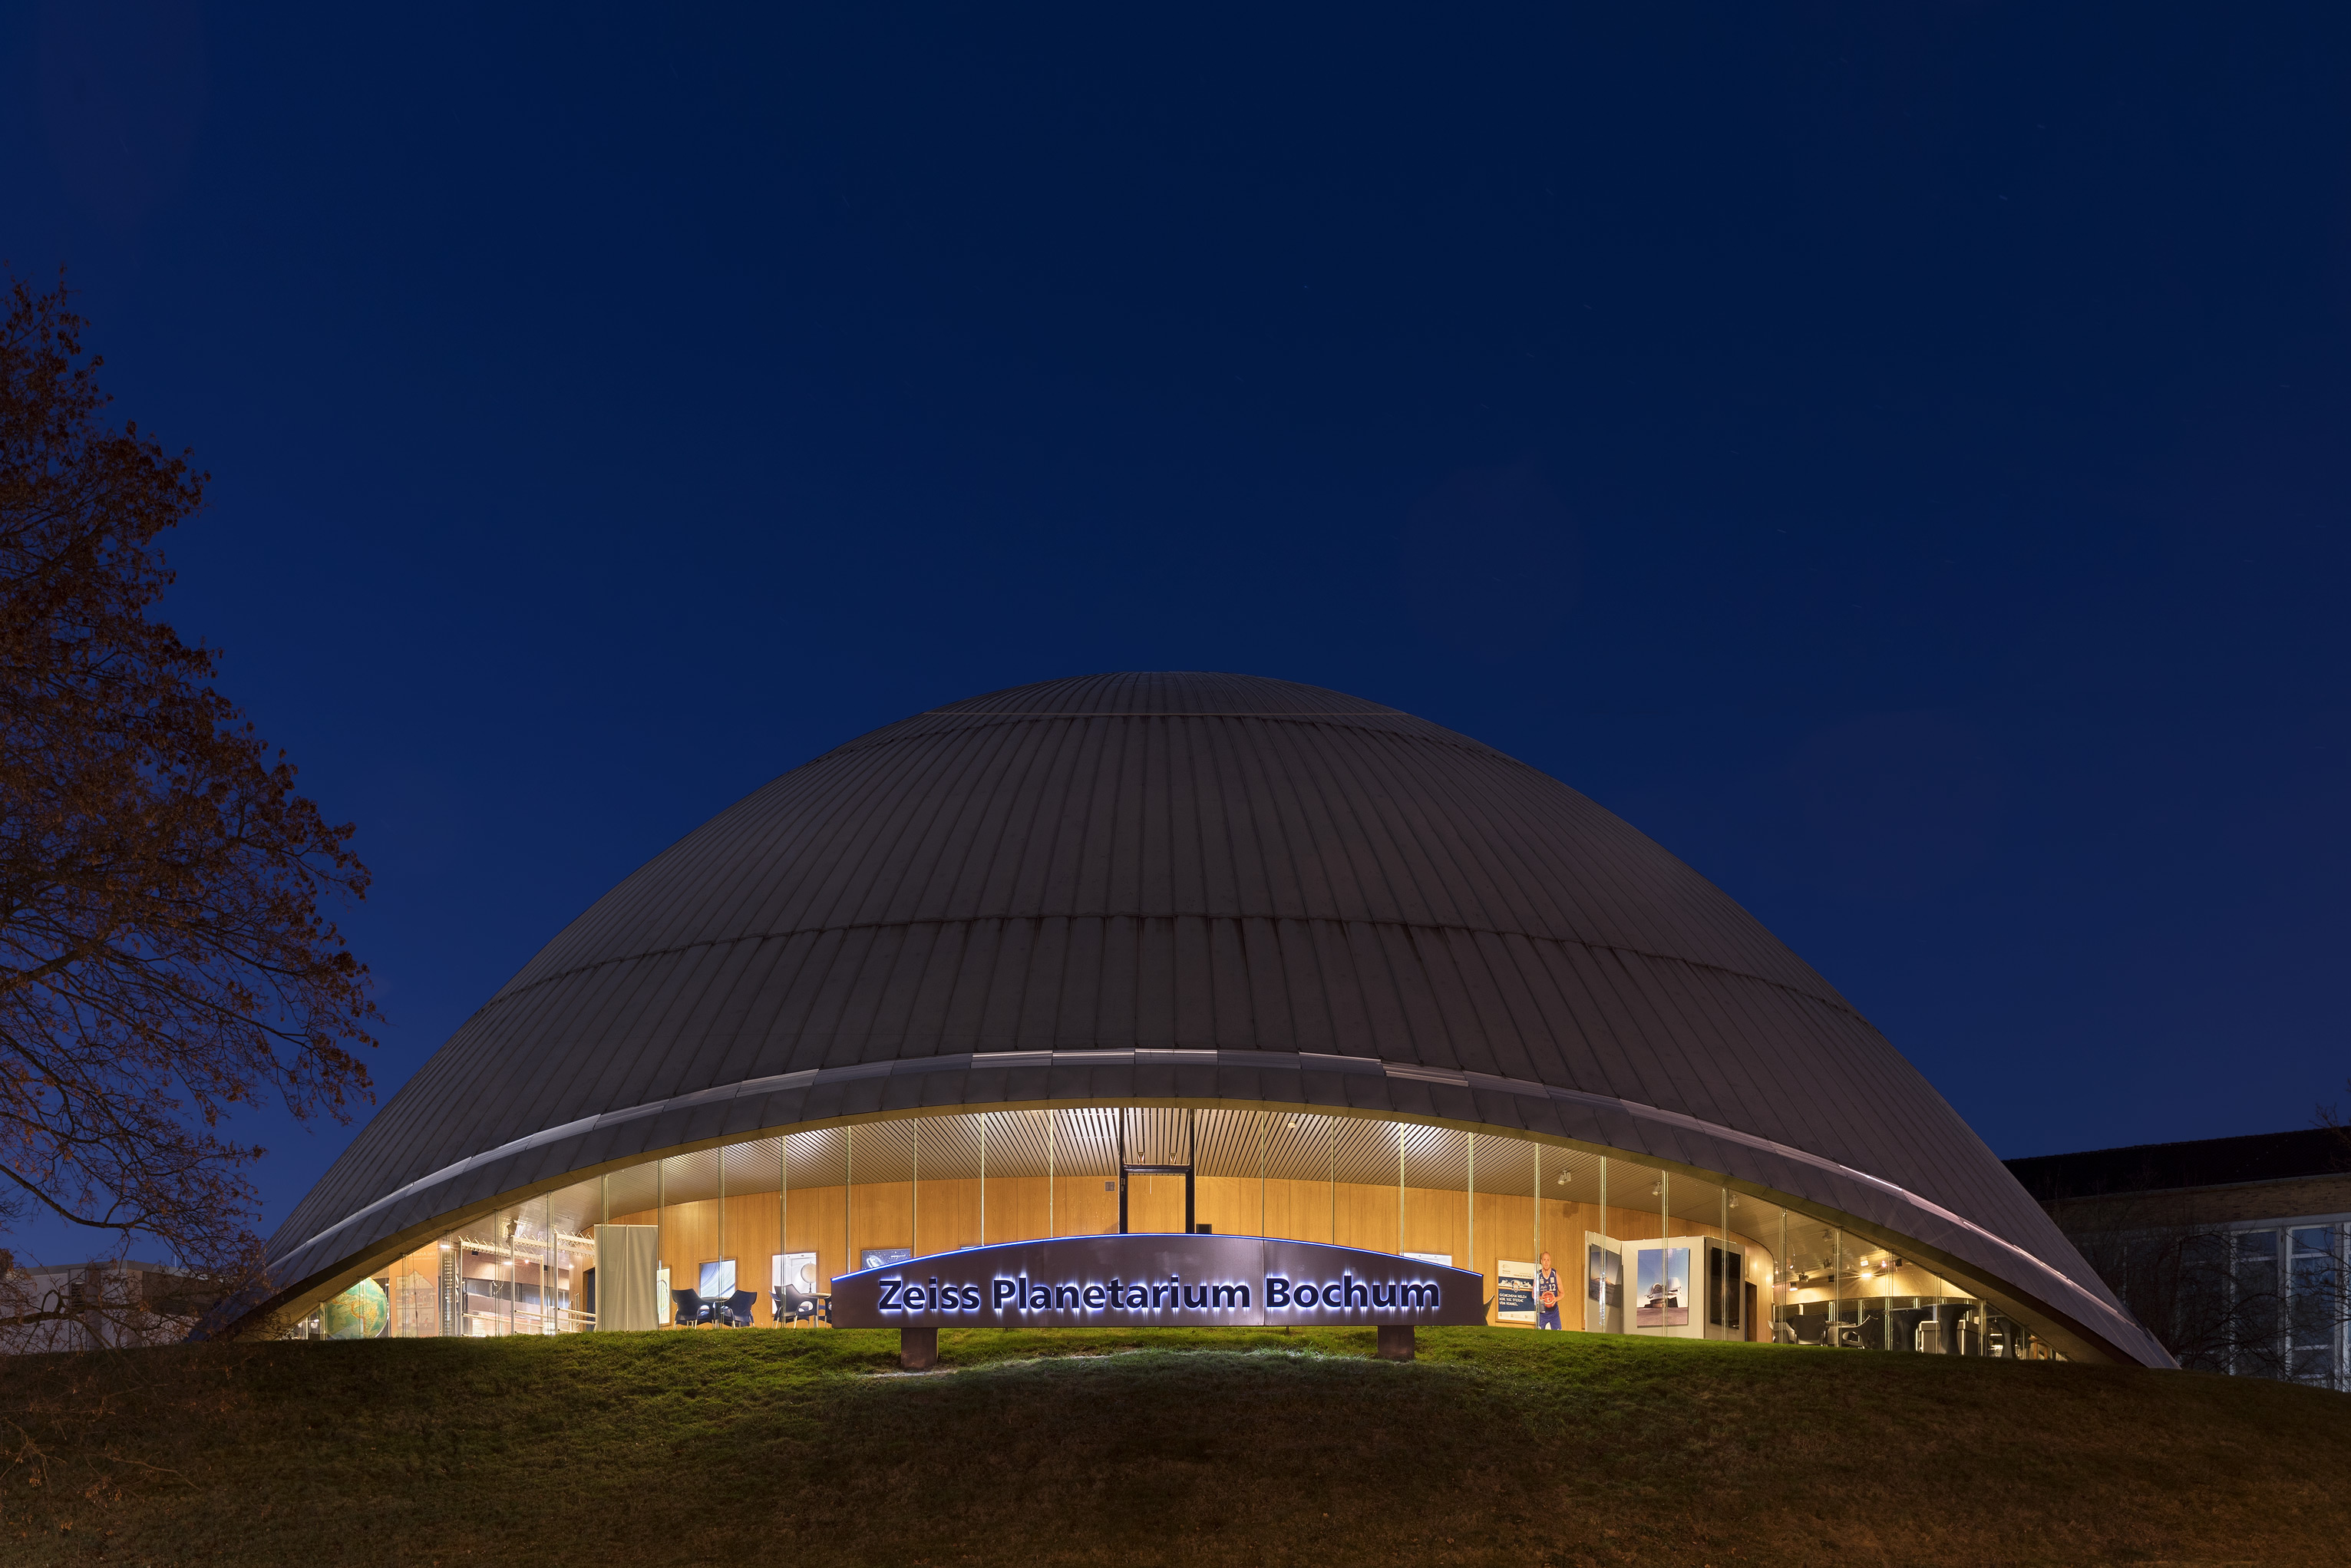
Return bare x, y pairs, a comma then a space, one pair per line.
1893, 456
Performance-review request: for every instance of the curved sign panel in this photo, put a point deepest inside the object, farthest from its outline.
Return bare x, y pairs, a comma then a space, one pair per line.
1156, 1281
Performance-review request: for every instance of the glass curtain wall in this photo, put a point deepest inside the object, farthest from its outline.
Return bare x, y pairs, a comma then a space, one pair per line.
1840, 1291
526, 1269
753, 1233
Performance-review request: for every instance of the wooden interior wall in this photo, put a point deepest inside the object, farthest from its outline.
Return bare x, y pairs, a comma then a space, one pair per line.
1085, 1204
946, 1215
812, 1223
1017, 1208
1228, 1205
881, 1214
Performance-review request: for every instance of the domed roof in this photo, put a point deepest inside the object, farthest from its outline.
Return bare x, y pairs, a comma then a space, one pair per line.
1199, 888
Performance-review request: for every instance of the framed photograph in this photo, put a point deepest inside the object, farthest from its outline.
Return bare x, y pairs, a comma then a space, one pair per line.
1661, 1288
1442, 1259
793, 1271
718, 1280
1603, 1275
882, 1256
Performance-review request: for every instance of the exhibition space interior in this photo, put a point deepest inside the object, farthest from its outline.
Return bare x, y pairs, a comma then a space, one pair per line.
752, 1233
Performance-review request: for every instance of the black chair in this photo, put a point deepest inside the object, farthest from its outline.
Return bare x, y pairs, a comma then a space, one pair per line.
737, 1312
692, 1310
792, 1307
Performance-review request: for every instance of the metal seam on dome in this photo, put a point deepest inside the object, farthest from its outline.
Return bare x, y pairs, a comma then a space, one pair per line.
1405, 1072
1836, 1004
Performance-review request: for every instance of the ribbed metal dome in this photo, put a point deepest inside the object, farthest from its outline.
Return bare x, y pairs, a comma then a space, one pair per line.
1205, 888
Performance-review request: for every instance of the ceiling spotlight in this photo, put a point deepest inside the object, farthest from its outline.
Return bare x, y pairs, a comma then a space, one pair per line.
1293, 1123
1562, 1178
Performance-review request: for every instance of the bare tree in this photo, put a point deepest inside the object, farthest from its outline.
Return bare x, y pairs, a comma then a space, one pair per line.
163, 956
2265, 1301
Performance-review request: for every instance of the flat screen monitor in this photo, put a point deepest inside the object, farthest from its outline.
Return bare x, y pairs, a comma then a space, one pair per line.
717, 1281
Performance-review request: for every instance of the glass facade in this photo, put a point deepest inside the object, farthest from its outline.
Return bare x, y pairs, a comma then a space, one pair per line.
753, 1233
2263, 1298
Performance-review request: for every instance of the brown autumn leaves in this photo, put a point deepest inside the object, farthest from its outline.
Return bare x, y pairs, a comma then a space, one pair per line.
163, 957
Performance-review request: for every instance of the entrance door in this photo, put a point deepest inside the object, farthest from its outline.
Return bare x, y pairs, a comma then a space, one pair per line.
1158, 1200
1154, 1170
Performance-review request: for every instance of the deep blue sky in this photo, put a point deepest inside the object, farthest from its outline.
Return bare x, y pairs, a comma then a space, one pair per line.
1893, 455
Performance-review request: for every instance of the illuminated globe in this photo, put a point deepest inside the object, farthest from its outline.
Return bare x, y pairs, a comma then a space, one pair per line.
363, 1311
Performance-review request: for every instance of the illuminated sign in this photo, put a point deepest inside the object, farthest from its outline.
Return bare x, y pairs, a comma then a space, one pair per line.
1156, 1280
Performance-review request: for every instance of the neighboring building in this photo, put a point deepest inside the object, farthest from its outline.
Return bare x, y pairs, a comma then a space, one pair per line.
92, 1306
2230, 1250
1151, 953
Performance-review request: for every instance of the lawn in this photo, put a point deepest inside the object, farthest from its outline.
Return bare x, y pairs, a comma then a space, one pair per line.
1212, 1446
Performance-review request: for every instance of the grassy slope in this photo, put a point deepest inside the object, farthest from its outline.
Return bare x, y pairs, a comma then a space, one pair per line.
1210, 1447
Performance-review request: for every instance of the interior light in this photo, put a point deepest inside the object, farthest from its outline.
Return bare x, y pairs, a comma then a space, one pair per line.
1562, 1178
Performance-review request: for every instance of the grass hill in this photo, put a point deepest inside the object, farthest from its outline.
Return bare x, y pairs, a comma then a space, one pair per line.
1178, 1447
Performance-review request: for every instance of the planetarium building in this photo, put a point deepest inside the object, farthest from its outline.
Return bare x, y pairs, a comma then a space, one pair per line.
1161, 953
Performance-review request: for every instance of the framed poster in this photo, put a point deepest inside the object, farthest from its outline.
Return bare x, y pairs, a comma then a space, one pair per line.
665, 1304
793, 1271
882, 1256
1514, 1291
1442, 1259
1661, 1288
718, 1280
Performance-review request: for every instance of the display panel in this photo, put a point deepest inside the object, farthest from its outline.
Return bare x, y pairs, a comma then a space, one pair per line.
1604, 1285
1514, 1291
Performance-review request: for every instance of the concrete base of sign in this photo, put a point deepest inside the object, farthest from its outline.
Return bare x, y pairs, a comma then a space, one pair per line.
1396, 1341
918, 1349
